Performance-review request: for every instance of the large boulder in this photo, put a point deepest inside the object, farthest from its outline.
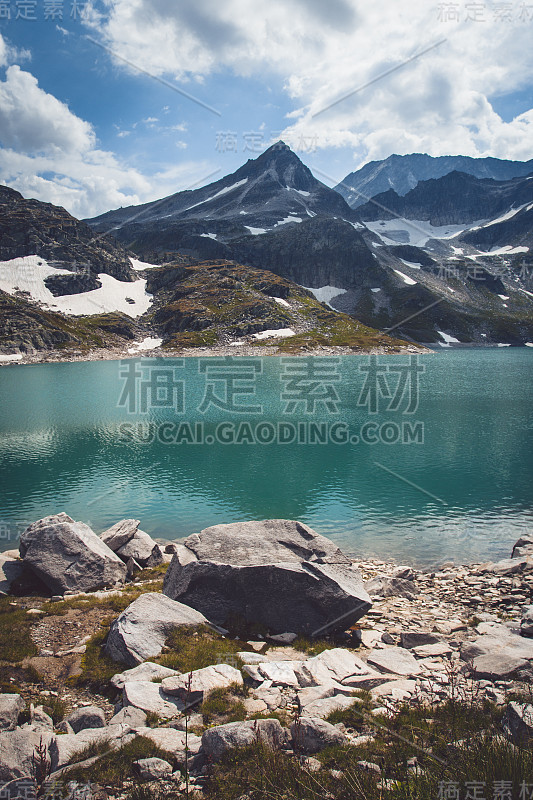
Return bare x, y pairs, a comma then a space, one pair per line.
17, 750
69, 556
147, 671
140, 631
218, 740
150, 698
278, 573
311, 735
10, 707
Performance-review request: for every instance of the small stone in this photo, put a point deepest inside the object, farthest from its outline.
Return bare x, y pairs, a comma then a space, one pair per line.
152, 769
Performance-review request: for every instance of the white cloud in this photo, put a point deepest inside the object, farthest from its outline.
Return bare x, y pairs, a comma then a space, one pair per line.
51, 154
438, 103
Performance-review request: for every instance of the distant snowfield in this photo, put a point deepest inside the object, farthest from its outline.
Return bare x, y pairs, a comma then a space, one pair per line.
278, 333
507, 250
147, 344
290, 218
256, 231
209, 236
10, 356
415, 232
138, 265
27, 275
326, 293
282, 302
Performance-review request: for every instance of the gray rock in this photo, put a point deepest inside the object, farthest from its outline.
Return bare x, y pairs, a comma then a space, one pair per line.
334, 666
120, 533
10, 707
518, 722
432, 650
150, 697
10, 571
152, 769
17, 749
140, 631
172, 740
192, 721
68, 555
398, 690
130, 716
313, 735
405, 573
142, 549
281, 673
320, 709
71, 746
391, 587
39, 719
395, 659
508, 566
278, 573
523, 547
194, 686
272, 697
499, 653
526, 625
147, 671
284, 638
86, 717
218, 740
417, 638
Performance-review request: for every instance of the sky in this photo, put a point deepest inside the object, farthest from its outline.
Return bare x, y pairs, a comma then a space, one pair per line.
117, 102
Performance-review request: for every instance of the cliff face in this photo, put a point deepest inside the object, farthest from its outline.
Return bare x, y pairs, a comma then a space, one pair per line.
29, 227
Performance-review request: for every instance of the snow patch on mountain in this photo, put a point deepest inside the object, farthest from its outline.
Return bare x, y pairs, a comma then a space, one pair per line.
406, 279
28, 274
326, 293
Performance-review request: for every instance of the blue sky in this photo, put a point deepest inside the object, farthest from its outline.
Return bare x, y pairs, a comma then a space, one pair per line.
82, 128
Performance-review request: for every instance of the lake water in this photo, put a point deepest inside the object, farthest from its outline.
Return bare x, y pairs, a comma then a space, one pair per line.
421, 461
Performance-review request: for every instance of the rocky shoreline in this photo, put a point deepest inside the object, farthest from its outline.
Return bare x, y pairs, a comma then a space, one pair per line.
413, 638
115, 354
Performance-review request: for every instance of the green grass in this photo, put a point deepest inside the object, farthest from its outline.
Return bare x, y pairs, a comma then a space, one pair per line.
52, 706
97, 668
224, 705
452, 742
313, 647
193, 648
15, 639
115, 766
113, 604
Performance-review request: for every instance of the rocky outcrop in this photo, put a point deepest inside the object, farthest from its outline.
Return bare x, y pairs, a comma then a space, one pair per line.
279, 573
69, 556
140, 631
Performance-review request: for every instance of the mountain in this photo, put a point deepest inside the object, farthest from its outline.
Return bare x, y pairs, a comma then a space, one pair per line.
274, 190
402, 173
66, 289
455, 199
422, 279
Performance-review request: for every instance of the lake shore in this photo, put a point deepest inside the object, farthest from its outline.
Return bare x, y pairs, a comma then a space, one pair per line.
250, 350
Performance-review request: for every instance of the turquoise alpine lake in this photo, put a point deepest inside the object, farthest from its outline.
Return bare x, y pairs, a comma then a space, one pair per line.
421, 459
